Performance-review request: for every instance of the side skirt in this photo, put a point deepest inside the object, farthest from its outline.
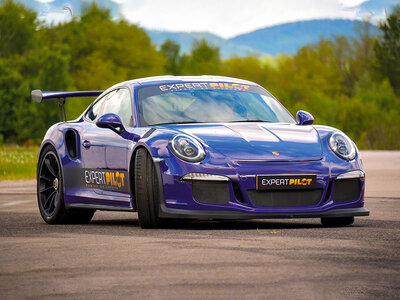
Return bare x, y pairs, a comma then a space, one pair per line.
98, 207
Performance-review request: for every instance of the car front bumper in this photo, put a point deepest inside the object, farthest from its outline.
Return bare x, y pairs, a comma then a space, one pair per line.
240, 199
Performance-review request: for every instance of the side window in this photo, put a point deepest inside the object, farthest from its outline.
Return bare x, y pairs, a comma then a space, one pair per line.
94, 111
120, 104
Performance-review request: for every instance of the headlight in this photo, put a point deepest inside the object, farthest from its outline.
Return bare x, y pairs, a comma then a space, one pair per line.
187, 148
342, 146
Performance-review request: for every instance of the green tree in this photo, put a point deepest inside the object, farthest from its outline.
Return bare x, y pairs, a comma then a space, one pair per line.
204, 59
387, 49
18, 39
249, 68
362, 56
171, 50
17, 29
370, 117
10, 79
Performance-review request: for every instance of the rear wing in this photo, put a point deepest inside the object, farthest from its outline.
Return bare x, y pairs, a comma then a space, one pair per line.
39, 96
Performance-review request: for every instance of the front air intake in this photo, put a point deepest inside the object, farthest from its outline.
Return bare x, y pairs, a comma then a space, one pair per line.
284, 198
211, 192
346, 190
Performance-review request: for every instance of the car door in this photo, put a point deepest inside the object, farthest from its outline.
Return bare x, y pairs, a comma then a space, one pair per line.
93, 138
117, 148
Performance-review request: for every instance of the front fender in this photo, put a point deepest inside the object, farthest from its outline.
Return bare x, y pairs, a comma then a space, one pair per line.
337, 163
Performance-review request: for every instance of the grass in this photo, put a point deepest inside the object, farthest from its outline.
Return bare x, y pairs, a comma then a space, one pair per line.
18, 162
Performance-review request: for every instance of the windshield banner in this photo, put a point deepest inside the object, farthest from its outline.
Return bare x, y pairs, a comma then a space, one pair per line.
192, 86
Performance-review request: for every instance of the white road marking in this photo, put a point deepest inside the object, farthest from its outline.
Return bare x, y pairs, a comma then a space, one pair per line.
15, 202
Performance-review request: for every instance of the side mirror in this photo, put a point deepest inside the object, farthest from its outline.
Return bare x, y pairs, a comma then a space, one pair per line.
111, 121
304, 118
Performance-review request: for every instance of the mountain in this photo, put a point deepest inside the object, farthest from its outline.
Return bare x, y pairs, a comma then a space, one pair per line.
289, 37
185, 40
285, 38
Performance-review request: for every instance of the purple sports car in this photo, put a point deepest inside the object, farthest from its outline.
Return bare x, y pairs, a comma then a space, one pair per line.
201, 147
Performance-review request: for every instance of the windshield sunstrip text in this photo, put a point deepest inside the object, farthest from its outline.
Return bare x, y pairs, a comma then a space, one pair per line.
203, 86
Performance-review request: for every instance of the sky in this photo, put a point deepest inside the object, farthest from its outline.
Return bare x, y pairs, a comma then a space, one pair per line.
228, 18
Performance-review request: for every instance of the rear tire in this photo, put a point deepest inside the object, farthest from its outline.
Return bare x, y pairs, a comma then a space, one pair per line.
50, 192
146, 190
332, 222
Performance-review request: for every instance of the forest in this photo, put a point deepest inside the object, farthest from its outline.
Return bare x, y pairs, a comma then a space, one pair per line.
349, 83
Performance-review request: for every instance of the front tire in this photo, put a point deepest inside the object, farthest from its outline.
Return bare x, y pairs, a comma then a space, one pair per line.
146, 190
50, 192
334, 222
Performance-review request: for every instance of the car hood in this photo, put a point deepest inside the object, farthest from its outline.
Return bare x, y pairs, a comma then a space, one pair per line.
258, 141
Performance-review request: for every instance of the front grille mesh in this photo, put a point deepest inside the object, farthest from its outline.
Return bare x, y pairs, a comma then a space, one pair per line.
284, 198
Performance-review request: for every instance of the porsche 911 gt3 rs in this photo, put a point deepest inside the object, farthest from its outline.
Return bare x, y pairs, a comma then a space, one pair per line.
201, 147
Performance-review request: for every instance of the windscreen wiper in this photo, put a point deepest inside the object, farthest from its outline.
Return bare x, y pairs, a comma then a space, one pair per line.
249, 121
185, 122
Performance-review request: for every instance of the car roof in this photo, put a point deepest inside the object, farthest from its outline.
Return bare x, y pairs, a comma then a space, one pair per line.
168, 79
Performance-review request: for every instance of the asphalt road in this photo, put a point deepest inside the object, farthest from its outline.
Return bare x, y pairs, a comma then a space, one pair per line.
112, 258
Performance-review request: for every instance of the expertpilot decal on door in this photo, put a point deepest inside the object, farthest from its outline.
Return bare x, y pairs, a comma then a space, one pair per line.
97, 178
105, 178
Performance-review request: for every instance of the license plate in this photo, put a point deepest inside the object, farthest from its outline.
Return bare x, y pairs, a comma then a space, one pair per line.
285, 182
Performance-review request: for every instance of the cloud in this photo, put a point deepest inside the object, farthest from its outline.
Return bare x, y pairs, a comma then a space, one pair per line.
228, 18
351, 3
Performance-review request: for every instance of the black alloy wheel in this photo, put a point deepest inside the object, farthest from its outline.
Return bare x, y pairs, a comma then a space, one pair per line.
49, 185
50, 192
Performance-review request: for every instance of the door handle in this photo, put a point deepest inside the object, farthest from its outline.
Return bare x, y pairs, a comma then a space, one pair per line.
86, 144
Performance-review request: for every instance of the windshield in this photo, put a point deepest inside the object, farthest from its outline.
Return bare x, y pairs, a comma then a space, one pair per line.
174, 106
